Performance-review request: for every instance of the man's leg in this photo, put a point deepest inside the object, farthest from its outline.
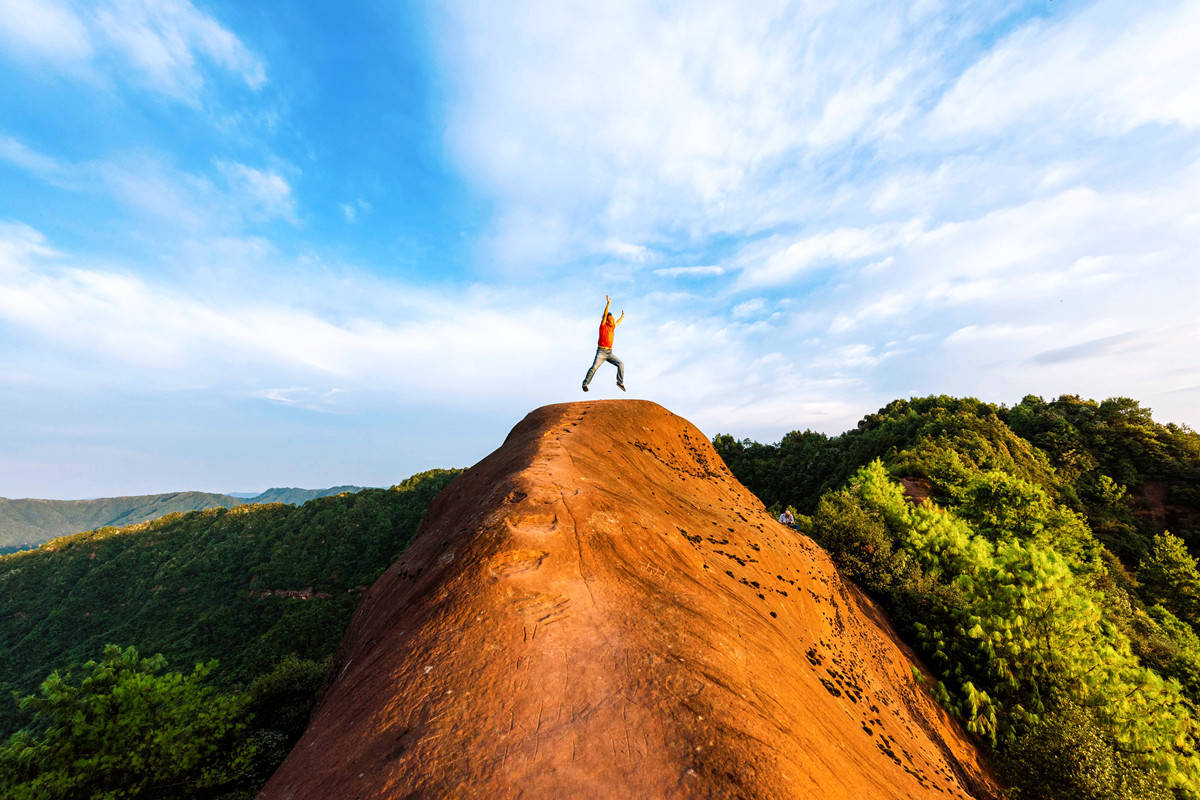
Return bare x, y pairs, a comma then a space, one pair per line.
620, 369
595, 366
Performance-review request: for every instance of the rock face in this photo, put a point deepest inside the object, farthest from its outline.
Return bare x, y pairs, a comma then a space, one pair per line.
598, 609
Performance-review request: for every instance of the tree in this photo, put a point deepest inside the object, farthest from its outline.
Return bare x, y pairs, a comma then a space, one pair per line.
125, 730
1170, 576
857, 539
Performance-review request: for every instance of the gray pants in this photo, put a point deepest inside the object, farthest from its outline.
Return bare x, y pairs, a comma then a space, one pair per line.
605, 354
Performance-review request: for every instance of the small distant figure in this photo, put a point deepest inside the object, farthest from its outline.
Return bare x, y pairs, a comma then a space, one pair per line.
604, 352
787, 518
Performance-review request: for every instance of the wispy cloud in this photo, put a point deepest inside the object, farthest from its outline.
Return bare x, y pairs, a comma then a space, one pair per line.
444, 343
151, 186
351, 210
1111, 68
774, 262
266, 192
1117, 343
626, 250
690, 272
18, 242
49, 169
300, 397
975, 335
345, 343
160, 45
655, 121
45, 31
749, 307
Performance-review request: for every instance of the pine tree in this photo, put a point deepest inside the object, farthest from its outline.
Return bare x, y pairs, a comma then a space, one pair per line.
1170, 576
125, 730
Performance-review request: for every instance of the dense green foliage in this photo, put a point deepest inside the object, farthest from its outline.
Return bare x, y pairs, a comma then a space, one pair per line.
27, 523
1080, 668
1132, 476
265, 590
1169, 576
128, 730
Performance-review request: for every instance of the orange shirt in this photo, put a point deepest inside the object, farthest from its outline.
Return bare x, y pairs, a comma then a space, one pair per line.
606, 334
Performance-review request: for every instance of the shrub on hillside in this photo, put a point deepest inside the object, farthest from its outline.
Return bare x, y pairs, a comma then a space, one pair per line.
1170, 576
858, 540
126, 729
283, 699
1070, 757
1020, 640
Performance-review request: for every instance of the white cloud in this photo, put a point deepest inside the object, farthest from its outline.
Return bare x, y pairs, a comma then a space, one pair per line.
973, 335
49, 169
300, 397
45, 30
634, 122
351, 210
119, 322
690, 272
1109, 67
625, 250
346, 343
266, 193
156, 190
854, 111
160, 45
18, 242
153, 188
782, 262
885, 308
164, 39
749, 308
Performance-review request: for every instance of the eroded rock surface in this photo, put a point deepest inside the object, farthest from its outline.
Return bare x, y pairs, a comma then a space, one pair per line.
599, 609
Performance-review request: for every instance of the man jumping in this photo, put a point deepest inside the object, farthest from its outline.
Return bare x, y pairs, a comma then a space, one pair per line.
604, 349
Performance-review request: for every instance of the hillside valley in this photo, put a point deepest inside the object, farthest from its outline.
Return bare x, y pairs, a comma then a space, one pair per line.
602, 602
261, 589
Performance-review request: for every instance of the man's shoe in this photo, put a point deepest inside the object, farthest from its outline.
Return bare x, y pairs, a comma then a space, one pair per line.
621, 386
585, 387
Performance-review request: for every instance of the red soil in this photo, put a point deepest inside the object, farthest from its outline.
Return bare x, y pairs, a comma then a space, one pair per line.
917, 490
598, 609
1178, 519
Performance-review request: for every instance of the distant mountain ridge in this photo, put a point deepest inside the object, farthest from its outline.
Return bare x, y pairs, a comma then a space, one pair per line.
297, 497
28, 522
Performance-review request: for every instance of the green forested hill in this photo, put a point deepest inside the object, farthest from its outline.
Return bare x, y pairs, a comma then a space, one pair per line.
246, 586
1042, 560
1131, 476
26, 523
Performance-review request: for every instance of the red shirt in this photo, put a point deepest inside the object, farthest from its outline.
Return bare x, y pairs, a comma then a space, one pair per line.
606, 334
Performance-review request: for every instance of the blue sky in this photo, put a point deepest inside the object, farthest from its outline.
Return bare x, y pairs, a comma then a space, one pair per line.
247, 245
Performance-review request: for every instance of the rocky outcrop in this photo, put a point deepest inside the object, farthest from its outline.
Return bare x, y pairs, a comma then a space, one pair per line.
599, 609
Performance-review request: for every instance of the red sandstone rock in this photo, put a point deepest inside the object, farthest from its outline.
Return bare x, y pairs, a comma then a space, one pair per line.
598, 609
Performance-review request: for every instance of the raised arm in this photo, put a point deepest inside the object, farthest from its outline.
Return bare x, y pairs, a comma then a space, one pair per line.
618, 322
607, 301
